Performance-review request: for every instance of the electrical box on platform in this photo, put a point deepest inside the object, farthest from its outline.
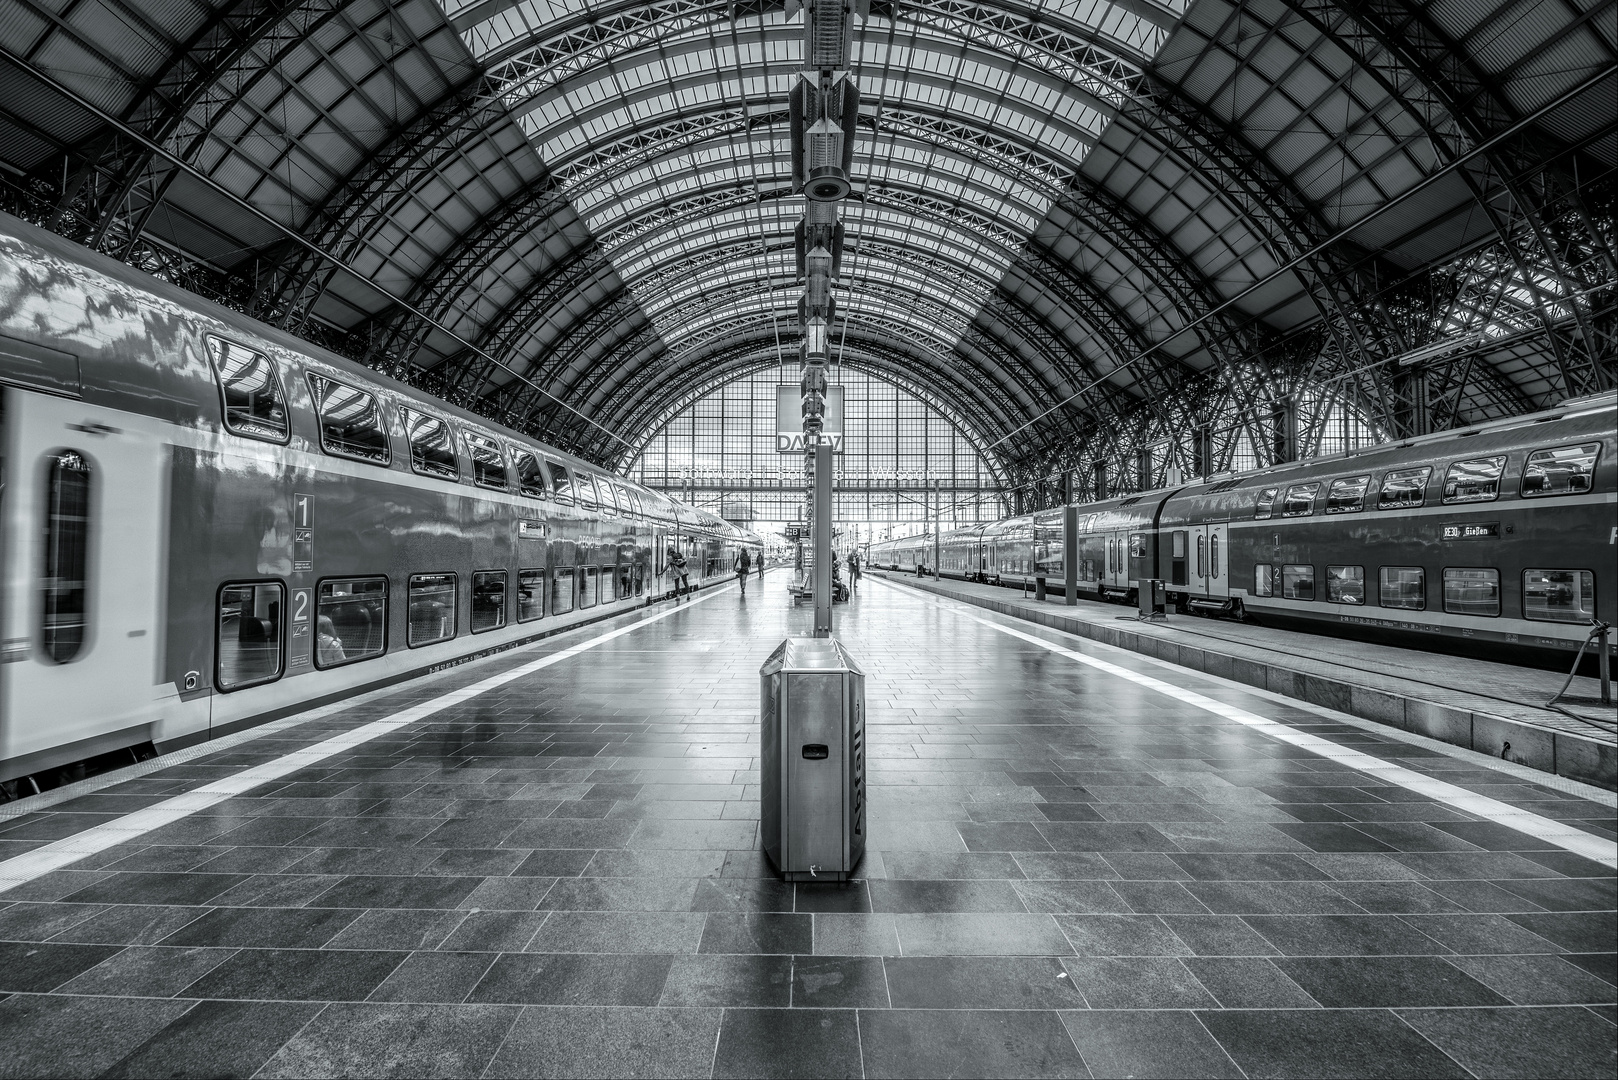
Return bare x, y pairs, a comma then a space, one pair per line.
813, 760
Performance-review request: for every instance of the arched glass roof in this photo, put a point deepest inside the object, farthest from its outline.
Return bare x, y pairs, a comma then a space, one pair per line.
1088, 226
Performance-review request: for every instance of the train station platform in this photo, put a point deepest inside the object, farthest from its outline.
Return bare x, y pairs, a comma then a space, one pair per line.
1497, 709
546, 863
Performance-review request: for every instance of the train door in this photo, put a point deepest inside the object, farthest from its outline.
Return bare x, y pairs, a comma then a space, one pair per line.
1210, 561
84, 517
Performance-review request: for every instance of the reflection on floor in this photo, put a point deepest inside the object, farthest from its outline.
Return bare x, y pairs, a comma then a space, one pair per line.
1070, 875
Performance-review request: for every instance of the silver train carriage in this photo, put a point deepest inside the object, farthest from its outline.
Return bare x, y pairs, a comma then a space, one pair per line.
1499, 540
207, 523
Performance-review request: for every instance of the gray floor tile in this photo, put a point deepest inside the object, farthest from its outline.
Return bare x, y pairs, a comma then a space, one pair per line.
1168, 1044
825, 1043
728, 980
980, 982
856, 935
1328, 1044
1248, 983
296, 975
608, 1043
1137, 982
1121, 935
217, 1038
762, 933
1373, 982
573, 979
148, 971
839, 982
78, 1036
38, 967
1519, 1042
953, 934
394, 1040
434, 978
665, 932
1538, 980
927, 1043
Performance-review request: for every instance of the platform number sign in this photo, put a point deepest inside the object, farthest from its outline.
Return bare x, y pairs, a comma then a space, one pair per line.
303, 603
303, 533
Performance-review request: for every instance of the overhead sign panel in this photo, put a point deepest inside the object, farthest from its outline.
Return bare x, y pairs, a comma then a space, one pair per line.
789, 419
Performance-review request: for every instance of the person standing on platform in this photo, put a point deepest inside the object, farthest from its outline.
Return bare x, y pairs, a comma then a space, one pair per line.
676, 562
744, 566
854, 570
761, 565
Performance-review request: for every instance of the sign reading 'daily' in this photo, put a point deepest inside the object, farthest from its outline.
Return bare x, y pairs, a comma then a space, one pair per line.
789, 419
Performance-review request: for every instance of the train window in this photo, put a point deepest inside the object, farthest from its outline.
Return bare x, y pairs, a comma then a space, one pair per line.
1266, 503
1471, 591
607, 493
488, 600
432, 609
1404, 488
1566, 470
530, 479
432, 448
1402, 587
1345, 584
63, 612
589, 587
1202, 546
584, 490
350, 422
488, 461
351, 621
1477, 480
249, 629
561, 481
1137, 545
1299, 501
1347, 496
1263, 580
562, 593
1559, 595
1298, 582
1213, 556
250, 389
530, 595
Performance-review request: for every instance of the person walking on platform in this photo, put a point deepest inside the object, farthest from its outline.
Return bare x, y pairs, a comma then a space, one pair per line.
677, 570
744, 566
761, 564
854, 570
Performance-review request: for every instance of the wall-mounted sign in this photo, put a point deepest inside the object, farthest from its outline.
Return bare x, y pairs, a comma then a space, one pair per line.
789, 419
303, 533
1473, 530
532, 530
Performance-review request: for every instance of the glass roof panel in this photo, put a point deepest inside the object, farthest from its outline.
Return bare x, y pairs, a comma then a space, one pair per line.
667, 127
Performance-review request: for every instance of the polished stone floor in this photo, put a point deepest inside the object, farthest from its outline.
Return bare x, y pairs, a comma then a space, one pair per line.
1070, 875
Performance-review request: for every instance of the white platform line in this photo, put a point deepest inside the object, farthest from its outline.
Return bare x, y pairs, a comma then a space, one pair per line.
1541, 828
60, 853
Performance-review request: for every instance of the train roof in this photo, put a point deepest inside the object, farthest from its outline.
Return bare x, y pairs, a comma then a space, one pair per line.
69, 252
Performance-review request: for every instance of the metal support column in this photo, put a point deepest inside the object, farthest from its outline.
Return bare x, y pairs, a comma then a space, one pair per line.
822, 535
938, 524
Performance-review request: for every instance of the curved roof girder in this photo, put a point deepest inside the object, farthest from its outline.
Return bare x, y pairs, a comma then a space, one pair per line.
1459, 110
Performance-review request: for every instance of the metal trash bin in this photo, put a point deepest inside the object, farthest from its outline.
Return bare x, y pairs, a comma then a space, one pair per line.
1154, 597
813, 760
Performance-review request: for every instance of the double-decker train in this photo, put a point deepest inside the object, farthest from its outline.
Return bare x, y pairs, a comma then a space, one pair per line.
1496, 540
207, 523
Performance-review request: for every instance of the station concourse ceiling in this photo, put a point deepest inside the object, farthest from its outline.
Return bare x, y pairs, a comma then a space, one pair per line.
1078, 226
